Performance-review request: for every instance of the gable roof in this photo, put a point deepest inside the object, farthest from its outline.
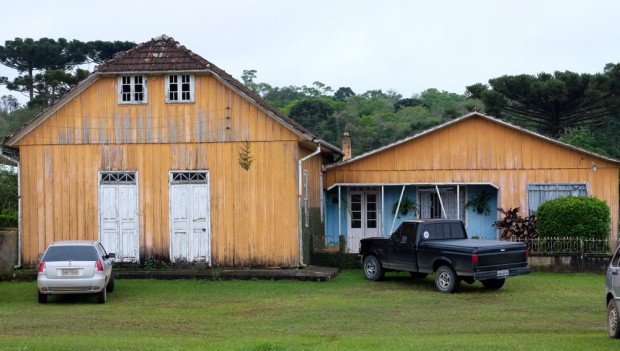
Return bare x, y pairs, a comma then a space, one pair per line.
160, 55
460, 119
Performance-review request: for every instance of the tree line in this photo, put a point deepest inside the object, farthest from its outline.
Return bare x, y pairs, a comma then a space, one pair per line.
581, 109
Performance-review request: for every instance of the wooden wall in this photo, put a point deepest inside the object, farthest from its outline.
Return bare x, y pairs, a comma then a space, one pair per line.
253, 213
479, 150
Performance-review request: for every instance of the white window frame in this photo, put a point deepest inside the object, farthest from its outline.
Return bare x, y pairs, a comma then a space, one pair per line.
132, 89
180, 98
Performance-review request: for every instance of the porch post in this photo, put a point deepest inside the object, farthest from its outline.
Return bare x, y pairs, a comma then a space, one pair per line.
458, 202
397, 208
443, 210
339, 216
382, 209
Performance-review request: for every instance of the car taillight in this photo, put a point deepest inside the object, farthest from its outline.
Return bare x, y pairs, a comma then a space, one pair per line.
41, 266
474, 259
99, 266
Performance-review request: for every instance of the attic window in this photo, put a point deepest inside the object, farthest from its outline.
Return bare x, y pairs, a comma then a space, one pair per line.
180, 88
132, 90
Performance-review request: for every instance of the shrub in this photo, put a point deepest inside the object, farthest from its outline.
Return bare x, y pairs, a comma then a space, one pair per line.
8, 220
574, 216
514, 225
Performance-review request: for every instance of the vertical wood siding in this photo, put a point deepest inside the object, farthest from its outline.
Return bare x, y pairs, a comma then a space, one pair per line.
479, 150
253, 213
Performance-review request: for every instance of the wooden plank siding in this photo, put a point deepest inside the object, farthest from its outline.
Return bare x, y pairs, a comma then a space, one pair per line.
253, 213
478, 150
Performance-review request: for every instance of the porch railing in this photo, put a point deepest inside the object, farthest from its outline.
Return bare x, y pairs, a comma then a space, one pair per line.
566, 246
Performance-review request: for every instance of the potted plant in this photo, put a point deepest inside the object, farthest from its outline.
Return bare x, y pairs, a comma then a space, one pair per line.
406, 205
480, 202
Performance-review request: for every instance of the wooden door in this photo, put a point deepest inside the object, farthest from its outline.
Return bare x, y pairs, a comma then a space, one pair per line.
190, 237
118, 215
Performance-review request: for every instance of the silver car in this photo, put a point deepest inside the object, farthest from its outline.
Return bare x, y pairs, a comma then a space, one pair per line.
75, 267
612, 296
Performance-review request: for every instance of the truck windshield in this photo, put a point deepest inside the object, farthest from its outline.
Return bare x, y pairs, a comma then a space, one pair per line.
439, 231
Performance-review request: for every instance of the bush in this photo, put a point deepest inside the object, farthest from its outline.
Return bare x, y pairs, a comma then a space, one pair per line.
8, 220
514, 225
335, 259
574, 216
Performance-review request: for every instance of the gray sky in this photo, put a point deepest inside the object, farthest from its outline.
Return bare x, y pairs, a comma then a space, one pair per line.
406, 46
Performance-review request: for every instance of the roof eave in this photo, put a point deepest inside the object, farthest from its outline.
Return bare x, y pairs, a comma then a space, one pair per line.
459, 119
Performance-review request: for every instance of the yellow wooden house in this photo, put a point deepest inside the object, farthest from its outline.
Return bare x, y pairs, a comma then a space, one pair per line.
159, 153
438, 171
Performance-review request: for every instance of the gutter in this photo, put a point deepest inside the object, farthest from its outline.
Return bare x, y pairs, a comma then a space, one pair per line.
299, 202
19, 217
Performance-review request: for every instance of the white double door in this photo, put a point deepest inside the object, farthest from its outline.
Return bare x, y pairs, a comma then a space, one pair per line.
190, 237
364, 216
118, 215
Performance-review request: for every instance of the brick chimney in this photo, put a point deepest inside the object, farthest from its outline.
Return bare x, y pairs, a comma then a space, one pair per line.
346, 146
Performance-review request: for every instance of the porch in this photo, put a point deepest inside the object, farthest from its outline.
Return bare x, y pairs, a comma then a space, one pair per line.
357, 211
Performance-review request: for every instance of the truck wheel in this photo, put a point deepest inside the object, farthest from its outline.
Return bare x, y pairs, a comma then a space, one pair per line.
372, 268
446, 280
418, 275
613, 320
493, 284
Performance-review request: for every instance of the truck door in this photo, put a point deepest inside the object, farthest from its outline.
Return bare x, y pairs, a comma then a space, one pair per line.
402, 254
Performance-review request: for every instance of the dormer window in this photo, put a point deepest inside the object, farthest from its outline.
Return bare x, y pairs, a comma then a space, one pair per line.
180, 88
132, 90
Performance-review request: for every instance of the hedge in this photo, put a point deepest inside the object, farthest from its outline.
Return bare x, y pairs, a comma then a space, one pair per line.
574, 216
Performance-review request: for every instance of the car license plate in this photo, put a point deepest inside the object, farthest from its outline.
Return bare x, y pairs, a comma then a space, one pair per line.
503, 273
70, 272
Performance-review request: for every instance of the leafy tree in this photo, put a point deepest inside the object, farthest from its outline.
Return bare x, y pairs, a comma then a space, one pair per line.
342, 93
40, 63
281, 97
550, 103
408, 102
582, 138
8, 104
248, 77
443, 103
8, 192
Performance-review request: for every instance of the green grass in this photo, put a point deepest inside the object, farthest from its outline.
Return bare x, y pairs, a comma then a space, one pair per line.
535, 312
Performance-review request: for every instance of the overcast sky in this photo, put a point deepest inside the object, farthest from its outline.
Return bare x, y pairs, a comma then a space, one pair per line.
407, 46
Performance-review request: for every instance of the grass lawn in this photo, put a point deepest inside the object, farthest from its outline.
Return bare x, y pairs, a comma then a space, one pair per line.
539, 311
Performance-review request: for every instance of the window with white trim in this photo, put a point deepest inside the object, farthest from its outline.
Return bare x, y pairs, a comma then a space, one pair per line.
180, 88
539, 193
132, 90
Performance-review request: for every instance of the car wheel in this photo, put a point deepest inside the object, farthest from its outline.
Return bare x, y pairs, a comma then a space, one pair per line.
102, 295
418, 275
613, 320
42, 298
110, 286
493, 284
446, 280
372, 268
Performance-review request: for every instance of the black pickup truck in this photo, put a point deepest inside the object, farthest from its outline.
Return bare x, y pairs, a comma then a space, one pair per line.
441, 246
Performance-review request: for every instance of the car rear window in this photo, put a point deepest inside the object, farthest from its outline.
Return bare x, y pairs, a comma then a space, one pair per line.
70, 253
